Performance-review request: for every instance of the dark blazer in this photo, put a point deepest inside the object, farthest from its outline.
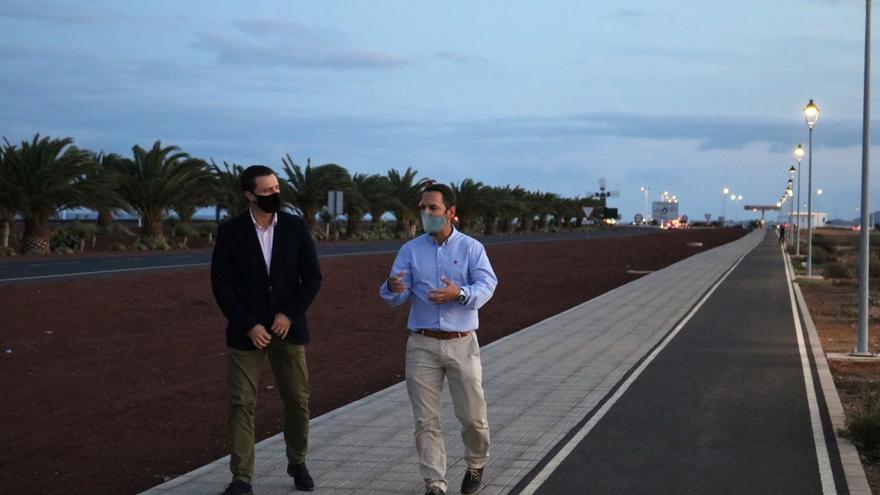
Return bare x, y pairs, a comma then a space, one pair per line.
247, 295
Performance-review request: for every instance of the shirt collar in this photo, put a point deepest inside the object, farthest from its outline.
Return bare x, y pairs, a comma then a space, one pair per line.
455, 233
274, 219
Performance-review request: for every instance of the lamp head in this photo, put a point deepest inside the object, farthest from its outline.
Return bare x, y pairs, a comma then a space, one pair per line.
799, 153
811, 114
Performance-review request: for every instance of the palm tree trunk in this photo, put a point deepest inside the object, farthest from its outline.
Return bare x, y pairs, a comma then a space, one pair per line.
105, 219
36, 236
5, 229
354, 224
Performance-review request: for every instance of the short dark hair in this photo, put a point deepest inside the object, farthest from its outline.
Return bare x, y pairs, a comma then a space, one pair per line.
449, 198
250, 174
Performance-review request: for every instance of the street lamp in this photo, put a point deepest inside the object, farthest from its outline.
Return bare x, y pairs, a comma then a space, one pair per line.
645, 190
811, 115
724, 193
864, 240
798, 155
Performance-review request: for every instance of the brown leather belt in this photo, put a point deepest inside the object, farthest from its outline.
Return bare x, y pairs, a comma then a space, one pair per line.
440, 334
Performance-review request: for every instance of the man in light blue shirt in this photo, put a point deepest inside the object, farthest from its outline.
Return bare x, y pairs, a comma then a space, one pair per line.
446, 277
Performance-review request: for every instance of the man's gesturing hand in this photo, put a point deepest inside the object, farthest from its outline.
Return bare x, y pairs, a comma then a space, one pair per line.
396, 284
444, 294
259, 336
281, 325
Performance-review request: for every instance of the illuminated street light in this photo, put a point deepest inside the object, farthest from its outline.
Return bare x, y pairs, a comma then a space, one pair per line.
798, 155
811, 115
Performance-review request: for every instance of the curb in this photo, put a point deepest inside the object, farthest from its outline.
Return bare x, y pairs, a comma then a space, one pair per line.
853, 471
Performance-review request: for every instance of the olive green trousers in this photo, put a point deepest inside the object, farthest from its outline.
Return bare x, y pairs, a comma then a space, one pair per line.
288, 363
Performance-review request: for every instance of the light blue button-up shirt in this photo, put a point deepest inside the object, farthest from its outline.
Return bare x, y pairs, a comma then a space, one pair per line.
461, 259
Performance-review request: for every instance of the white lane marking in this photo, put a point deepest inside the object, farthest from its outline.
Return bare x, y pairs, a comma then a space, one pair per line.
560, 456
55, 263
100, 272
825, 473
145, 268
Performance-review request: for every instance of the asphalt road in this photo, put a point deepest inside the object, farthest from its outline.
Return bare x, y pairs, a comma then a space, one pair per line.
722, 408
14, 271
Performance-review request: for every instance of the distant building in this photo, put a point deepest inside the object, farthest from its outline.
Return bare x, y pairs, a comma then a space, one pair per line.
819, 219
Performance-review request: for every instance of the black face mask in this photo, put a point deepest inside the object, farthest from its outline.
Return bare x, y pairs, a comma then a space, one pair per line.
269, 203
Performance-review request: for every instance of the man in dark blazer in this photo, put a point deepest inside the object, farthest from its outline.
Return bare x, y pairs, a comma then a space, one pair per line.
265, 274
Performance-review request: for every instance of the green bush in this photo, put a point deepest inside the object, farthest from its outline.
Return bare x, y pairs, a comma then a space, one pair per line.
63, 238
118, 246
835, 269
184, 230
83, 230
825, 243
207, 229
146, 244
863, 428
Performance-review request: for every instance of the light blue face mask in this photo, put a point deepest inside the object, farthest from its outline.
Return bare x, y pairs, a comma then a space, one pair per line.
432, 224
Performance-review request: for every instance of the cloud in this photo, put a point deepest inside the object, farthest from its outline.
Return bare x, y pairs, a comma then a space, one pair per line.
462, 58
629, 16
294, 45
55, 12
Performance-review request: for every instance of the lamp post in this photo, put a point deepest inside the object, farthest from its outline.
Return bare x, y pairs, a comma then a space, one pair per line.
789, 191
645, 190
724, 193
811, 115
799, 155
736, 204
864, 239
818, 196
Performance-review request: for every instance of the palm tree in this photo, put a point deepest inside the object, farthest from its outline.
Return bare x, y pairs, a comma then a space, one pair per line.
155, 181
308, 187
405, 194
7, 216
229, 195
368, 193
40, 178
104, 177
470, 201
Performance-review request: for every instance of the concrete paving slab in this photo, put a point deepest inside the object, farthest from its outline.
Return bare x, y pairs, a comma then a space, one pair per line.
539, 382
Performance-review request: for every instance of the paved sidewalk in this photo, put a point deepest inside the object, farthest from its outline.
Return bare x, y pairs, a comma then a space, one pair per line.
730, 405
540, 383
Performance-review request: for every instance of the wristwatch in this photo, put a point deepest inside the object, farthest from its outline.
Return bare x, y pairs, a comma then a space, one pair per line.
462, 296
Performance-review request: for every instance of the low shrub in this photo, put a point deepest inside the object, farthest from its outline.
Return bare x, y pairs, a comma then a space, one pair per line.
863, 429
184, 230
118, 246
825, 243
835, 269
821, 255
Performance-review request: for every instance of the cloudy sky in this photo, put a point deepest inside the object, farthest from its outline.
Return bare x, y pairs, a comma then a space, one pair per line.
680, 96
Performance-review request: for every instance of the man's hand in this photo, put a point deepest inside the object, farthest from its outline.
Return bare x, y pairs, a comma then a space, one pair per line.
396, 284
445, 294
259, 336
281, 325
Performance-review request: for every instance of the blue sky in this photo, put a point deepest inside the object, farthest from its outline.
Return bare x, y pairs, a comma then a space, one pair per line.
683, 96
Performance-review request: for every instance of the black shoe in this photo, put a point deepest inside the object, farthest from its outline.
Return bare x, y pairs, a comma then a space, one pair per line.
301, 477
473, 478
238, 487
434, 490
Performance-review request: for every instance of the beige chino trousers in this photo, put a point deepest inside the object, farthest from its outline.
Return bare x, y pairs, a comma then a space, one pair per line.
428, 361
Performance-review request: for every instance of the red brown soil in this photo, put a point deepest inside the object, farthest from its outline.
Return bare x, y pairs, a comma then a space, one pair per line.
115, 384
